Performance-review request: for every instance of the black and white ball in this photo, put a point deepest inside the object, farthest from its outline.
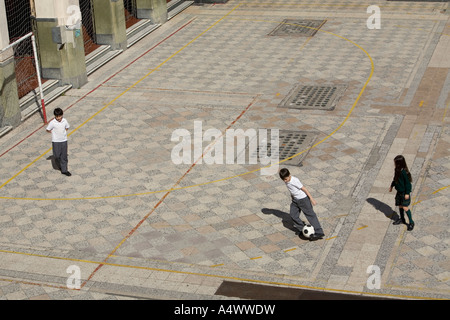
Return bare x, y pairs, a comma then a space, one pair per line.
308, 230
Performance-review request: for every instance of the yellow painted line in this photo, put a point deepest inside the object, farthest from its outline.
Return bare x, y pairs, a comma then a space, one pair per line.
421, 103
445, 112
446, 187
250, 280
434, 192
441, 189
260, 257
411, 28
124, 92
396, 287
387, 6
360, 228
18, 173
414, 203
217, 265
223, 277
287, 250
331, 238
222, 179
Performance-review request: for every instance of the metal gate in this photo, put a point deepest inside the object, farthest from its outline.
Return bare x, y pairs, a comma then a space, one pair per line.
87, 19
130, 12
18, 15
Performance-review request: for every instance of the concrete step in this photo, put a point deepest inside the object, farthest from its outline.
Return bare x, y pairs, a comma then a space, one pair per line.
49, 96
100, 57
139, 30
96, 54
34, 97
4, 130
31, 103
174, 7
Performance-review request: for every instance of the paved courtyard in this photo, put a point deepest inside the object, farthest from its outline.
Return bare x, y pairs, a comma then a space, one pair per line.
136, 225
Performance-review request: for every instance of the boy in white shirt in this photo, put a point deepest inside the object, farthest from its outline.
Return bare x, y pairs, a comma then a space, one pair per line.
58, 128
301, 201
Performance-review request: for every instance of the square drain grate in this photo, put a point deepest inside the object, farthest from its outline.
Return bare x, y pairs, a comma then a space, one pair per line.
314, 97
290, 143
297, 27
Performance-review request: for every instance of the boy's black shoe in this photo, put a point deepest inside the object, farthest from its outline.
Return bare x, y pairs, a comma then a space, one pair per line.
410, 226
316, 236
67, 173
397, 222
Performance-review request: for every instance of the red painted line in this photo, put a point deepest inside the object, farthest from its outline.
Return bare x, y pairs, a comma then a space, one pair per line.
36, 284
22, 140
101, 84
162, 199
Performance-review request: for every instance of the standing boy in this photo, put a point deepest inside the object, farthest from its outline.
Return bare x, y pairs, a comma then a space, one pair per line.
58, 128
301, 201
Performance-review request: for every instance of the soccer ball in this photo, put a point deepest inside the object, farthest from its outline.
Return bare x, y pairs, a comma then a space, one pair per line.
308, 230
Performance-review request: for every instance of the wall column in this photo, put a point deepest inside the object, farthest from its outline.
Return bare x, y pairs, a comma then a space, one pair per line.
155, 10
60, 41
9, 97
110, 28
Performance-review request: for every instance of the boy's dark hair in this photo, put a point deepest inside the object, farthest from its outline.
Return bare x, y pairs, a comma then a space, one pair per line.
284, 173
58, 112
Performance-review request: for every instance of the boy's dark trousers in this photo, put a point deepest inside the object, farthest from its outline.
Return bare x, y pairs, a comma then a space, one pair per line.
60, 154
299, 205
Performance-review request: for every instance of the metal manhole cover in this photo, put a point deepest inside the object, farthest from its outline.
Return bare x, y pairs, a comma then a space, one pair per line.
297, 27
290, 143
314, 97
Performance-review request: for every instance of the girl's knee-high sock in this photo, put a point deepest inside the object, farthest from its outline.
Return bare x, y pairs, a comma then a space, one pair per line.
402, 214
408, 213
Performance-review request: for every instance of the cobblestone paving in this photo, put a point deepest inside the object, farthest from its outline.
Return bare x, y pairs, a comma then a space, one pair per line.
189, 226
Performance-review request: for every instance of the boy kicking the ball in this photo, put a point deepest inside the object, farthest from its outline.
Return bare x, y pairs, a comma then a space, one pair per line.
301, 201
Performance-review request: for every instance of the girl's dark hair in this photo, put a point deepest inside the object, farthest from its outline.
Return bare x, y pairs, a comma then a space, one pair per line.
284, 173
400, 164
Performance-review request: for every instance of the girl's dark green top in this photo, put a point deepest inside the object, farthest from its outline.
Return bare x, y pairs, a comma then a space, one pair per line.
403, 185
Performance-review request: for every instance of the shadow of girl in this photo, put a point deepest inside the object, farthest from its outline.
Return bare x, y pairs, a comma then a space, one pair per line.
383, 208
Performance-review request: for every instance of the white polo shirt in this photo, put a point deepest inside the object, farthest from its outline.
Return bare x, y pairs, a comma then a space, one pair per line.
294, 186
58, 129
